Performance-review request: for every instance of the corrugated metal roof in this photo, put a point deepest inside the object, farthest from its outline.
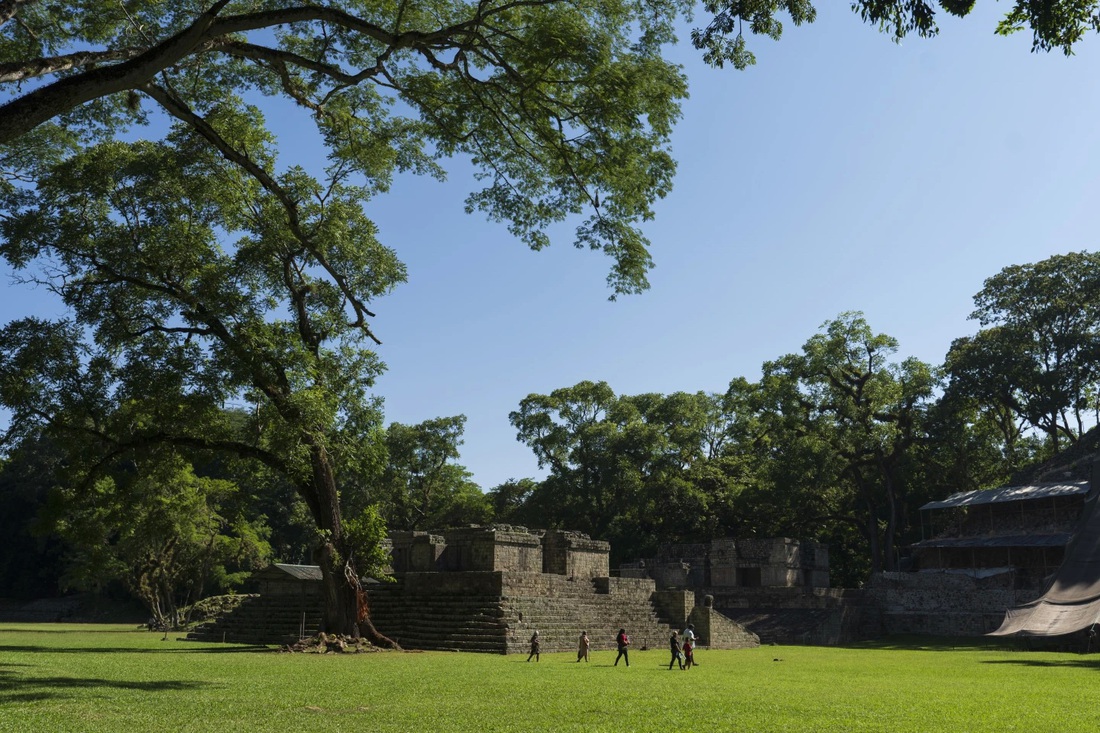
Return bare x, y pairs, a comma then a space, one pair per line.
300, 572
1010, 493
1058, 539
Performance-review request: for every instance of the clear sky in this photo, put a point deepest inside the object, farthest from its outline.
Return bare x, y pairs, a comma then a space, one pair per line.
843, 172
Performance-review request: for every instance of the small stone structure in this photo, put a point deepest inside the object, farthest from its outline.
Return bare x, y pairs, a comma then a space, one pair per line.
499, 548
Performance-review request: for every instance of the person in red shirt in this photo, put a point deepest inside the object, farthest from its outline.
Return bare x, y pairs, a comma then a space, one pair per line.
622, 641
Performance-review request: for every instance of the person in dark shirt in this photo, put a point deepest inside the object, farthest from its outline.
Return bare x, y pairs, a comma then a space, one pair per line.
674, 647
534, 647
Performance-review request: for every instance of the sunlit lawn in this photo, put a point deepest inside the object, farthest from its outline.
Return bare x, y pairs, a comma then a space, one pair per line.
110, 678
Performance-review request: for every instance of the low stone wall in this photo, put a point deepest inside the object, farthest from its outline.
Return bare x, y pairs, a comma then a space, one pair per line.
715, 631
472, 583
777, 597
943, 603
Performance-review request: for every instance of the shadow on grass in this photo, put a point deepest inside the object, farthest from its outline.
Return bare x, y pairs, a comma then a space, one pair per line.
1088, 663
131, 650
15, 688
940, 644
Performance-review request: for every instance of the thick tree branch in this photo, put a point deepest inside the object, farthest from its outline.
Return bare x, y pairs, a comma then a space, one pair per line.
29, 111
22, 70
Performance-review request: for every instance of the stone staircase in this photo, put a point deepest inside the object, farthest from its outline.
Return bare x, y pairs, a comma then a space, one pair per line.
447, 623
503, 624
560, 621
275, 619
474, 618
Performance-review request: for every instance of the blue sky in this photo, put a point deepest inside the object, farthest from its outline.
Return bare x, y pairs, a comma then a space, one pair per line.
843, 172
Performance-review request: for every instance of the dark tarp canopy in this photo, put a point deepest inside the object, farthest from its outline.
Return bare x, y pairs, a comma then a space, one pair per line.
1072, 601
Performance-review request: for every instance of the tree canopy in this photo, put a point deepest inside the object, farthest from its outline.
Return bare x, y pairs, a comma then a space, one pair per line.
1037, 355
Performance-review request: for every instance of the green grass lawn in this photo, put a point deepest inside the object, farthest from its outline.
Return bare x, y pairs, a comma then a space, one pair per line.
110, 678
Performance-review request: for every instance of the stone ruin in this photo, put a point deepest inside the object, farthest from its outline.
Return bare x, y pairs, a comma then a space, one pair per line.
487, 589
777, 562
499, 548
777, 588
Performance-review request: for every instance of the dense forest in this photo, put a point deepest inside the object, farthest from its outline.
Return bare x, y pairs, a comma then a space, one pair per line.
841, 443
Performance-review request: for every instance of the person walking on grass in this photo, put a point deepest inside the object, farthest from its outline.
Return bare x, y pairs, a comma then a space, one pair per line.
689, 653
534, 647
689, 646
622, 641
674, 647
583, 647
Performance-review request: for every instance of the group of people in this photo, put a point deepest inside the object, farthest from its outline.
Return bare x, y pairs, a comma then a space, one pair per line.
682, 646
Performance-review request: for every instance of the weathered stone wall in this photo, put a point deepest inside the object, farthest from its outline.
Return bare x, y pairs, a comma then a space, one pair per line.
674, 606
822, 616
499, 547
469, 549
412, 552
944, 603
731, 563
575, 555
776, 597
715, 631
491, 548
473, 583
666, 573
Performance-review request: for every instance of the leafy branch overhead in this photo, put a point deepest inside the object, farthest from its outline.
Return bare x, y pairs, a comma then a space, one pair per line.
563, 107
1054, 24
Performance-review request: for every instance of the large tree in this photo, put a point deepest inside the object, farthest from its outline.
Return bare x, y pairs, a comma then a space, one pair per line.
632, 469
1036, 359
202, 269
1054, 24
844, 423
423, 486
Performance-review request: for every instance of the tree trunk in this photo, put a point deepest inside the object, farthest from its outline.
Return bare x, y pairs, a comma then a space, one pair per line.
892, 520
873, 539
345, 602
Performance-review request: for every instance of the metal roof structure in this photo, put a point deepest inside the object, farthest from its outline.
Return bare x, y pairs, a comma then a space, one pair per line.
300, 572
1010, 493
1057, 539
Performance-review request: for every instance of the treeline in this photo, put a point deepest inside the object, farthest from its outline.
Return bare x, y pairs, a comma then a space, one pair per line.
840, 442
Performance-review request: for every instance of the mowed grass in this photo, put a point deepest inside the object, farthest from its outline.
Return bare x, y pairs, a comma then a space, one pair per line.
110, 678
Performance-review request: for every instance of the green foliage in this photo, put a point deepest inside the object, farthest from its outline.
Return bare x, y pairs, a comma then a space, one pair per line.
31, 560
160, 530
1054, 24
629, 469
201, 270
1037, 356
366, 532
422, 487
824, 447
